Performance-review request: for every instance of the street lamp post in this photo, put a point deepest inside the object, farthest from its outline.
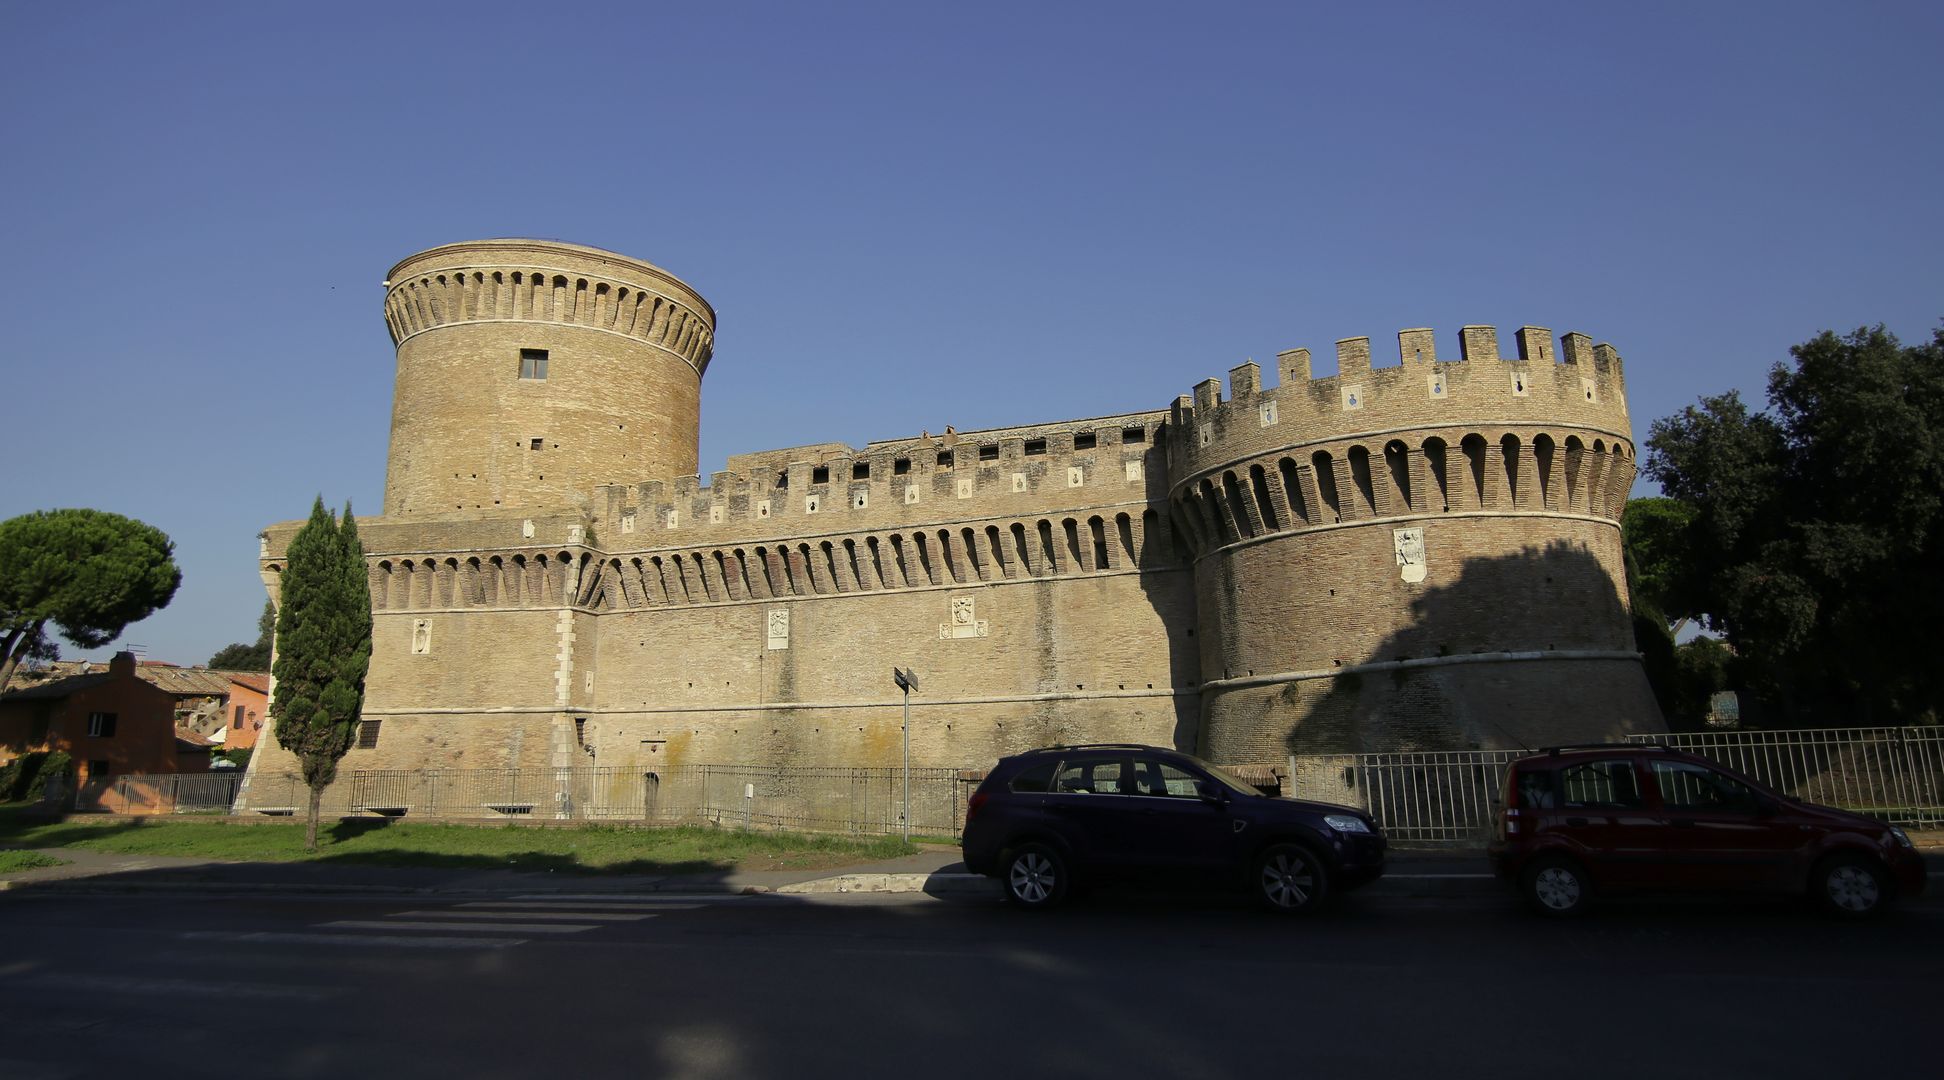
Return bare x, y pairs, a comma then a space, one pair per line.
907, 682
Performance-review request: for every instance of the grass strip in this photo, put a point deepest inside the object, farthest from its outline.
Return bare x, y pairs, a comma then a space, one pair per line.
12, 861
587, 849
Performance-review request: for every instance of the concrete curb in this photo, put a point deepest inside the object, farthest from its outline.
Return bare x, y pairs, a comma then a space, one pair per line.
932, 884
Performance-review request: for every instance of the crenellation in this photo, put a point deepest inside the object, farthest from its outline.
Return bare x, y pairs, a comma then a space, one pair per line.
1353, 358
1208, 394
1417, 346
1245, 381
1535, 344
1576, 348
1478, 343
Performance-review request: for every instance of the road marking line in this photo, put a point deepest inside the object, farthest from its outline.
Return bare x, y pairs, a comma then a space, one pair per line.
175, 987
497, 928
578, 906
600, 916
270, 937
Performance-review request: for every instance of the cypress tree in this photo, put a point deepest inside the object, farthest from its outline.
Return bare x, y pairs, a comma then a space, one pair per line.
323, 649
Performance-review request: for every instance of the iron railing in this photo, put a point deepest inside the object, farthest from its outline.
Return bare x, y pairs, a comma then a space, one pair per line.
160, 793
1895, 774
1436, 798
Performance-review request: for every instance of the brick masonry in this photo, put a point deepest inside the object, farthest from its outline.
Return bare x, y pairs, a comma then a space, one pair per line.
1423, 555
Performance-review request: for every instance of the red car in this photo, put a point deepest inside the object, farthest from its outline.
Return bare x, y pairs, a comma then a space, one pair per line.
1581, 820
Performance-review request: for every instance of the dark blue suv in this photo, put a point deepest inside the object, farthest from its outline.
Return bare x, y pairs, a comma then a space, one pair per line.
1046, 820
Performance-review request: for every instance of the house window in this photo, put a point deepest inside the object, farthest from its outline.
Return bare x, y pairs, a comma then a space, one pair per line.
101, 725
533, 363
368, 734
239, 717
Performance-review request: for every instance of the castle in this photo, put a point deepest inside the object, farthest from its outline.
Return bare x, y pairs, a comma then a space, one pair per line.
1420, 555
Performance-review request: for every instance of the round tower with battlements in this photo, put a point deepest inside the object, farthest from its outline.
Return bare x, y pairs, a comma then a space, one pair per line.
529, 371
1418, 556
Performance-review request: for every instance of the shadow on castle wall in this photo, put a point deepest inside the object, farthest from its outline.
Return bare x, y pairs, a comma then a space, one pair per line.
1572, 673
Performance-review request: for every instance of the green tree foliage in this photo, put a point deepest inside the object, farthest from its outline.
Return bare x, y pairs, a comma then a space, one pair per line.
85, 573
323, 649
254, 657
1656, 532
1817, 538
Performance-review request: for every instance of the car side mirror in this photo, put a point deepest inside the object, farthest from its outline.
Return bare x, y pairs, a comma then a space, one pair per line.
1210, 793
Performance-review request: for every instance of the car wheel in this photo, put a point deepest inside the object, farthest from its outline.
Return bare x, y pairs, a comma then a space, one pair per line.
1852, 886
1556, 887
1290, 878
1036, 877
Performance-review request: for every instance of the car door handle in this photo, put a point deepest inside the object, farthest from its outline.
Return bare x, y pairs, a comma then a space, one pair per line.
1576, 821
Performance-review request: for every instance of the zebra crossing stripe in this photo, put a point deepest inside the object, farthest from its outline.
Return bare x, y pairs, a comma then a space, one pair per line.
492, 928
400, 941
595, 916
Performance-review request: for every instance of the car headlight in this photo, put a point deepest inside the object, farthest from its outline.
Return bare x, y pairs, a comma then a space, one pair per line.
1344, 823
1902, 837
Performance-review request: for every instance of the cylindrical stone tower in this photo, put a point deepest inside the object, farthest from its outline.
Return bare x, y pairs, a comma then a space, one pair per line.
1420, 556
530, 371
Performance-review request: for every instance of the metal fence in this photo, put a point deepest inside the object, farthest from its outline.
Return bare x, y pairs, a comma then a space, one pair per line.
1436, 798
162, 793
1896, 774
811, 798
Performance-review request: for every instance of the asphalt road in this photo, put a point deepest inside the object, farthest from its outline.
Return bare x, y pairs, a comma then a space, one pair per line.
1120, 986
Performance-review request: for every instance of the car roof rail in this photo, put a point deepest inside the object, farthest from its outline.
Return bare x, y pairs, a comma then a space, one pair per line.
1105, 746
1554, 751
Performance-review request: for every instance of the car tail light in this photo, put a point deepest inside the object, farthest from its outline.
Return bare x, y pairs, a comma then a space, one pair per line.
972, 806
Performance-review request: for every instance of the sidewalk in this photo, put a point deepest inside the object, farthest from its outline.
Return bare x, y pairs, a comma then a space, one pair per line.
936, 870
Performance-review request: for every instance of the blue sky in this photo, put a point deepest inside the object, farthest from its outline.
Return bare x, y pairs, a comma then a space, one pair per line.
911, 215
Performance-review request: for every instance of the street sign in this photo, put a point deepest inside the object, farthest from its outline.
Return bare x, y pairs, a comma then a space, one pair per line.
906, 680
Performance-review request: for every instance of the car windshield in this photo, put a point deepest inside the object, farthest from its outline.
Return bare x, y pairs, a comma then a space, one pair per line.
1224, 778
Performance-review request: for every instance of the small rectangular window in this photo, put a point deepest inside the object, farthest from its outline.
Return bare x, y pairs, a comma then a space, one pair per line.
783, 479
945, 460
1083, 440
989, 452
368, 734
820, 475
101, 725
901, 466
1035, 447
1134, 435
535, 444
580, 731
861, 470
239, 717
533, 363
